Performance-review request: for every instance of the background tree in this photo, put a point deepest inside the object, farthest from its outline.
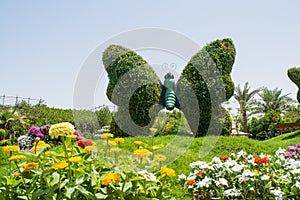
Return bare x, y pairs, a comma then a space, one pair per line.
245, 99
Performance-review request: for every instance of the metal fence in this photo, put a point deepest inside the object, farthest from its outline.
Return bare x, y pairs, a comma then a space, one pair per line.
112, 108
13, 100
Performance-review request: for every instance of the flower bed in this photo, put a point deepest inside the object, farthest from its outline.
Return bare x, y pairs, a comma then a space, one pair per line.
244, 176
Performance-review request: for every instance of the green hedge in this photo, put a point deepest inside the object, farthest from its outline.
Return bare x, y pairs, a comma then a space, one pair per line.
219, 53
294, 75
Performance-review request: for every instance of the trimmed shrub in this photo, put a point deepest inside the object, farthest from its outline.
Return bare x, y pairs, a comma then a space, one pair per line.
294, 75
219, 53
133, 86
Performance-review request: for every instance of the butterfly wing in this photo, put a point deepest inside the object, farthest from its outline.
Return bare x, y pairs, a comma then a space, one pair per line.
204, 84
134, 87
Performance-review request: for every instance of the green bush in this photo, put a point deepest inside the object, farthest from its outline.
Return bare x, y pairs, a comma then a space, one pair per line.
294, 75
126, 69
219, 53
104, 116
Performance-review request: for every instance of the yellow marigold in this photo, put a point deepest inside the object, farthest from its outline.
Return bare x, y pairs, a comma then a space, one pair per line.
119, 140
160, 158
74, 159
153, 130
17, 157
112, 143
59, 165
11, 148
63, 154
167, 171
115, 150
110, 178
62, 129
138, 142
39, 145
91, 149
4, 141
142, 153
107, 135
47, 153
72, 136
30, 166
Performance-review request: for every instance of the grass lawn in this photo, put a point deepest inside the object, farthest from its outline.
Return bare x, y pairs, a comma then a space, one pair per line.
211, 146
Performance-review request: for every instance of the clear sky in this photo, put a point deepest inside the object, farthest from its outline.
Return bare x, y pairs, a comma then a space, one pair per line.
43, 44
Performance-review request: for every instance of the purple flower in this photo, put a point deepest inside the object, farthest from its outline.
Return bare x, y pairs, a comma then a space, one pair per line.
298, 145
79, 137
35, 131
293, 154
286, 154
291, 148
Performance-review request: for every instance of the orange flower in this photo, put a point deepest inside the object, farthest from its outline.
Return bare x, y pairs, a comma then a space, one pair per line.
263, 160
223, 157
110, 178
199, 173
191, 182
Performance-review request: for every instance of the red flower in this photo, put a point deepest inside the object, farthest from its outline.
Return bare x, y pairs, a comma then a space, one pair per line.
263, 160
84, 143
191, 182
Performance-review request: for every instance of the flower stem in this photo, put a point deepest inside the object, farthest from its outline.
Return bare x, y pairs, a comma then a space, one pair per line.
23, 180
67, 155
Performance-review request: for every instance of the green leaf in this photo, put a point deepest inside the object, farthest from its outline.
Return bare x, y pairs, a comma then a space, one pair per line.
55, 179
70, 191
80, 180
86, 193
127, 186
101, 196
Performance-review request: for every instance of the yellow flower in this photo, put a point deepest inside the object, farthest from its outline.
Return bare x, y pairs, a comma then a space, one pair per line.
119, 140
160, 158
112, 143
142, 153
16, 157
116, 150
59, 165
30, 166
110, 178
107, 135
153, 130
61, 129
74, 159
39, 145
47, 153
169, 126
91, 149
72, 136
3, 141
138, 142
167, 171
11, 148
63, 154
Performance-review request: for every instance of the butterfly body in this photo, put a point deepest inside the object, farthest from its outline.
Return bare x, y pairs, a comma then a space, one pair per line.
170, 97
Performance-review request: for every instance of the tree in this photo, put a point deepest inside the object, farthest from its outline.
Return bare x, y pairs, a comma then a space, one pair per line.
273, 101
294, 75
245, 99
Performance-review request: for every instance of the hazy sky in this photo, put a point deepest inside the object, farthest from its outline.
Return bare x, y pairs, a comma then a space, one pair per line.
43, 44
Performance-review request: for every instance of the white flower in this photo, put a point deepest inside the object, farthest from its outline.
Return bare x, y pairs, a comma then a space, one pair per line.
277, 193
297, 184
205, 182
222, 181
264, 177
246, 175
295, 171
241, 153
232, 192
148, 176
182, 177
237, 168
197, 164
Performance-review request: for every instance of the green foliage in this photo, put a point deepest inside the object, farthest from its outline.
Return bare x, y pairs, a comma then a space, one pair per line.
104, 116
127, 70
294, 75
219, 53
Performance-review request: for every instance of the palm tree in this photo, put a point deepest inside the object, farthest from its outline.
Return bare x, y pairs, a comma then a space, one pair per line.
273, 100
245, 99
